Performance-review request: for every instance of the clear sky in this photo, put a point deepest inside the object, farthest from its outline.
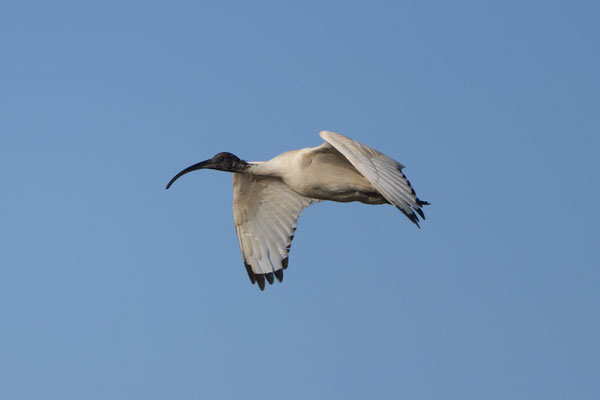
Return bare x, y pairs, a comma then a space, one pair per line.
113, 288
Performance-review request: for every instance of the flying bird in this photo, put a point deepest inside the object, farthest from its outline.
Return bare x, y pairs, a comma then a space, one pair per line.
268, 196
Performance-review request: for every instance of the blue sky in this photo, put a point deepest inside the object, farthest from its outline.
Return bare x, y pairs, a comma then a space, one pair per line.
113, 288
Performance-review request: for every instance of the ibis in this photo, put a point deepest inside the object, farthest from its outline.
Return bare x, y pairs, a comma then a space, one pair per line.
268, 196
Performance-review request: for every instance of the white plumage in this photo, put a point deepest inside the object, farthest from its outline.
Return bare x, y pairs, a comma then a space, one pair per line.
269, 196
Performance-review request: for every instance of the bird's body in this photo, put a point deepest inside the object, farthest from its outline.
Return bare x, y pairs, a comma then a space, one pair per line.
319, 173
268, 196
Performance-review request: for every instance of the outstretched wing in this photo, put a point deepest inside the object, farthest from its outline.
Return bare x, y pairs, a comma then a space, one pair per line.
384, 173
265, 212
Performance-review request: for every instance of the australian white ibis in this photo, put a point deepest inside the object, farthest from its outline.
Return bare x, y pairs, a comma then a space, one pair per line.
268, 196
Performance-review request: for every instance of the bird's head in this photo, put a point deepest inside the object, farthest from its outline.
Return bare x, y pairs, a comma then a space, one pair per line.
222, 161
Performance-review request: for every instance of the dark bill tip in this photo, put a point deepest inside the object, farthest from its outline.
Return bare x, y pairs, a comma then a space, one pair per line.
200, 165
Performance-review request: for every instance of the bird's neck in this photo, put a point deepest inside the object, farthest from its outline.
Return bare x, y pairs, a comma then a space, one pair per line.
263, 168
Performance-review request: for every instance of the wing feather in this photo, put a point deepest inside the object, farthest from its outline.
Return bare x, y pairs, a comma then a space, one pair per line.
384, 173
265, 213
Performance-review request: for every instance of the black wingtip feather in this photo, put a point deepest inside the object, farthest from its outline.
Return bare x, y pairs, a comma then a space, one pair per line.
420, 212
260, 279
279, 275
250, 273
412, 216
412, 190
415, 221
284, 263
269, 276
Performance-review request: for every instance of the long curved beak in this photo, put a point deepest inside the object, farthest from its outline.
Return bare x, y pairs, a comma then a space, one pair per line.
200, 165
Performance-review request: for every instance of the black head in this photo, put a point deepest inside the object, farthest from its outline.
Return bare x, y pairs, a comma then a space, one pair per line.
228, 162
222, 161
